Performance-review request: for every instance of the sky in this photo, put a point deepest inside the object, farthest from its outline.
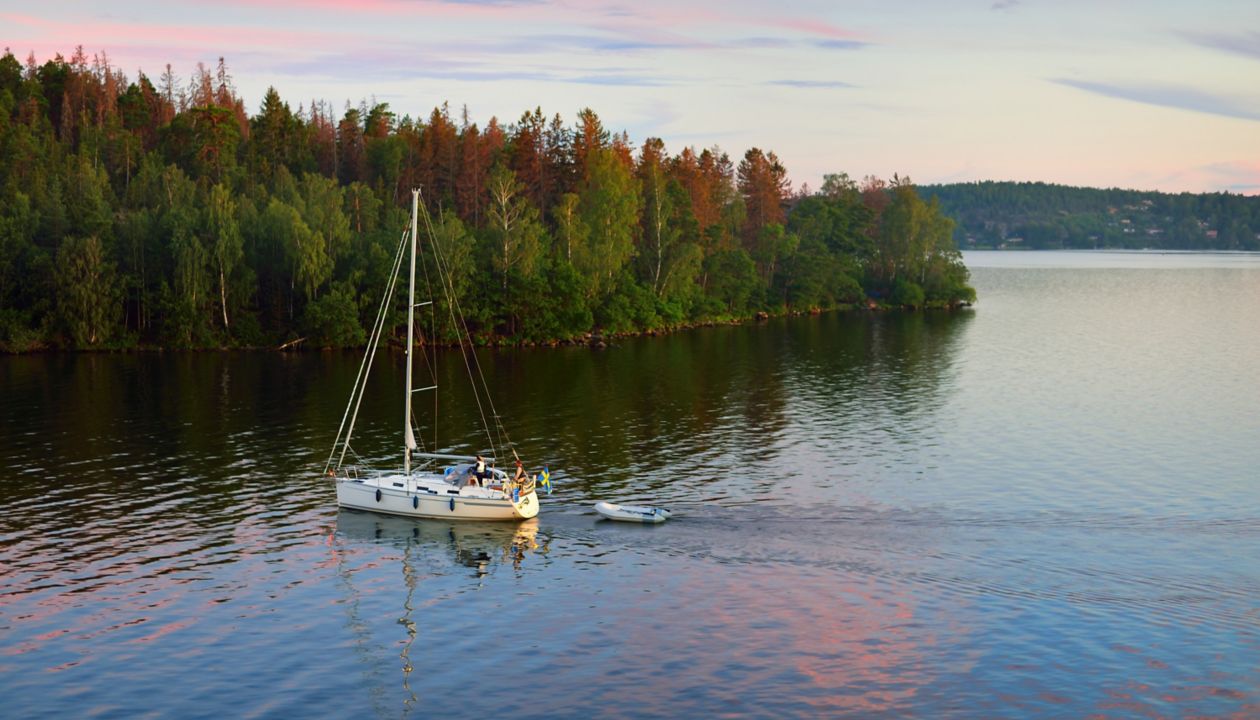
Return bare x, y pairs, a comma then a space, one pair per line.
1148, 94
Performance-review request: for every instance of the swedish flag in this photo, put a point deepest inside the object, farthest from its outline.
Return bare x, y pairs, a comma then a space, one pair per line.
545, 479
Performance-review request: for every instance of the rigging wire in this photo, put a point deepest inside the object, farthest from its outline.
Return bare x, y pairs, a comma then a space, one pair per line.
432, 345
360, 380
371, 356
448, 288
458, 321
444, 276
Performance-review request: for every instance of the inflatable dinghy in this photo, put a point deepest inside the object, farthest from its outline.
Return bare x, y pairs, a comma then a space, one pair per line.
631, 513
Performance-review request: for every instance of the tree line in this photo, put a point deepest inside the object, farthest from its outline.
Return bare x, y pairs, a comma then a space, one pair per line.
140, 214
1044, 216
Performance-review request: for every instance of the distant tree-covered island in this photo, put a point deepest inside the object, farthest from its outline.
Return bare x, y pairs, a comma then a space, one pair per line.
136, 213
1040, 216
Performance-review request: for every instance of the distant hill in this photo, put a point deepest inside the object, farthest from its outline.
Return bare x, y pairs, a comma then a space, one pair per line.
1042, 216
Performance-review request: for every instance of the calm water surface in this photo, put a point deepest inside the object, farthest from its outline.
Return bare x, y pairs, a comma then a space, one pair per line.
1047, 506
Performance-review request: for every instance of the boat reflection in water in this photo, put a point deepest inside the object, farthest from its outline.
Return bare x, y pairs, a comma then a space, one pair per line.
365, 548
474, 544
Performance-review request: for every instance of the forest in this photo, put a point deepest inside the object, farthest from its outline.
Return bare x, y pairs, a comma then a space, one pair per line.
162, 214
1041, 216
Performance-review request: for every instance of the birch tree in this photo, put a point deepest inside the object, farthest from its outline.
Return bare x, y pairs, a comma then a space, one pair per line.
226, 244
514, 224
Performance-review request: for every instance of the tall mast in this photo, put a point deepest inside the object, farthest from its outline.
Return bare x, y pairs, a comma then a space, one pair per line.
410, 437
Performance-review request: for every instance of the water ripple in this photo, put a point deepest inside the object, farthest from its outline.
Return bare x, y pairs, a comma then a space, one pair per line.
985, 514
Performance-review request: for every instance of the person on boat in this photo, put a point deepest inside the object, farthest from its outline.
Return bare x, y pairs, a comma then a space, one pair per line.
520, 472
479, 470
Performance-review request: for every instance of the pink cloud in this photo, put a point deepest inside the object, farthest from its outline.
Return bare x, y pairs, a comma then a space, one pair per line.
29, 20
1240, 177
394, 8
210, 36
813, 27
674, 15
149, 47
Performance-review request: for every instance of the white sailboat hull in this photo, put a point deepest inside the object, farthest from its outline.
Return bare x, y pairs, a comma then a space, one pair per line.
430, 496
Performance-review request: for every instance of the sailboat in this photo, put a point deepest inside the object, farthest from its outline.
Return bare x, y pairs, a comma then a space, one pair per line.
430, 484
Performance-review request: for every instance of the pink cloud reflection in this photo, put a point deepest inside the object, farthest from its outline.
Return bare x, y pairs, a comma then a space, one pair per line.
848, 642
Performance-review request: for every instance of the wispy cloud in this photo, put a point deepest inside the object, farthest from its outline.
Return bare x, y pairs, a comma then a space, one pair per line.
644, 36
494, 3
614, 79
840, 44
711, 19
1243, 177
812, 83
1236, 177
1181, 98
812, 26
1245, 44
1005, 5
216, 38
775, 43
760, 42
398, 8
532, 44
402, 64
388, 64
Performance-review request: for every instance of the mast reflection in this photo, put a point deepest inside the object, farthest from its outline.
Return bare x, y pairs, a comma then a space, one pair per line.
357, 545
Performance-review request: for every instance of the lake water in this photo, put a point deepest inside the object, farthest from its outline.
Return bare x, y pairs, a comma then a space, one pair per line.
1046, 506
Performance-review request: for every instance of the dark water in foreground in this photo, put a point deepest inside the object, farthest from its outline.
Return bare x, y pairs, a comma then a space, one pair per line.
1048, 506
